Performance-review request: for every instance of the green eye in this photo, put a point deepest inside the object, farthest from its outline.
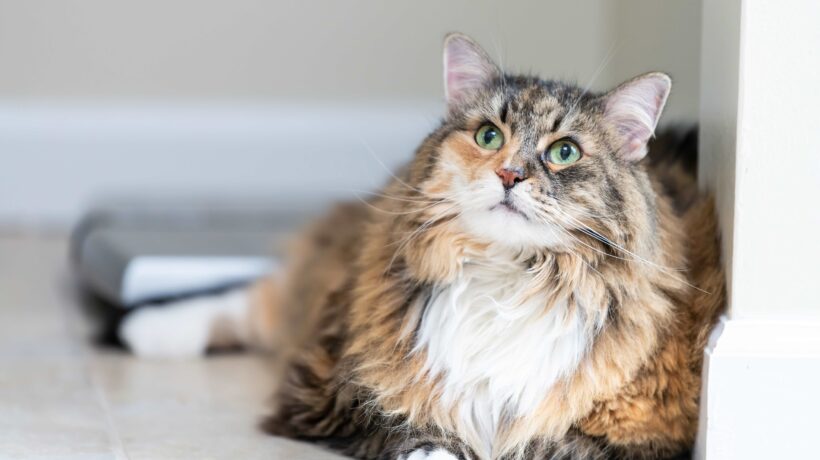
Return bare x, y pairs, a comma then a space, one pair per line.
563, 153
489, 137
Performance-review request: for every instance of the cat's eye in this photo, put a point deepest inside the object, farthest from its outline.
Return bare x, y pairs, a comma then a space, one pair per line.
489, 137
563, 153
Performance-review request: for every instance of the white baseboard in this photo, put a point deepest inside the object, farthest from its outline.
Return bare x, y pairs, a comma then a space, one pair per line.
761, 391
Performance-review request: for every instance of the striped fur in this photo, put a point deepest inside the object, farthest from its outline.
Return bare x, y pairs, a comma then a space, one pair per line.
395, 333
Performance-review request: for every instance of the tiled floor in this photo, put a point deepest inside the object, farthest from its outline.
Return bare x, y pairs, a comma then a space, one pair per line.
62, 398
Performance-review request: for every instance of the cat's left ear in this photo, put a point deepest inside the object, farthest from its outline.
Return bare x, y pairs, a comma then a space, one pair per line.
467, 68
632, 110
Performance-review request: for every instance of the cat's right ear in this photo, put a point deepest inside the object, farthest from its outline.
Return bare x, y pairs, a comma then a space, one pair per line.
467, 68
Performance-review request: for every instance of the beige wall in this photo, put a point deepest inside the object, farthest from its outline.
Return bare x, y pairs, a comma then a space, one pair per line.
319, 50
204, 97
659, 35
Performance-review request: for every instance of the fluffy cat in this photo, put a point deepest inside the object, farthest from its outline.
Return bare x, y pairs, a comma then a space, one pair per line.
529, 287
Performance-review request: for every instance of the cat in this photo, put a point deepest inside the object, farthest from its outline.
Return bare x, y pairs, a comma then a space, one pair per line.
530, 286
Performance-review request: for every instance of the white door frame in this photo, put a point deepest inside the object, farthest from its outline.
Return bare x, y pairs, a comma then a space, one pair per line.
760, 156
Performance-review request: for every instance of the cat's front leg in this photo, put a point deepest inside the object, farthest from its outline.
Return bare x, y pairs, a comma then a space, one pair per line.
431, 447
430, 453
573, 446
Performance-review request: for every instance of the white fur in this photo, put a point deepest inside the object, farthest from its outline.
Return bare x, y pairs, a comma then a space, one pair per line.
437, 454
498, 352
482, 216
186, 328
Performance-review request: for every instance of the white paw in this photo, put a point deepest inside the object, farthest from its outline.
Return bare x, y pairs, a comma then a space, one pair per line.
166, 332
426, 454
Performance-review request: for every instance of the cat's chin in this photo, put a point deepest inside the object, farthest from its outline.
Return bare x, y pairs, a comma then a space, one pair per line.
511, 228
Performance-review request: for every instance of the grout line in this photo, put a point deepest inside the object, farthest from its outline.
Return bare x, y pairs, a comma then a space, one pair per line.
114, 438
71, 322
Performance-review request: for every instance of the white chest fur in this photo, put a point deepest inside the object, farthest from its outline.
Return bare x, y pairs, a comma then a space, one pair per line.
498, 352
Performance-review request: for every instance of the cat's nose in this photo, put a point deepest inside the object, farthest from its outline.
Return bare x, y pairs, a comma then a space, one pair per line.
510, 176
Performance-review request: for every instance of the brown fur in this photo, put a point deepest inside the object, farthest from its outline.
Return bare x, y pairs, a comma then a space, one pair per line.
350, 306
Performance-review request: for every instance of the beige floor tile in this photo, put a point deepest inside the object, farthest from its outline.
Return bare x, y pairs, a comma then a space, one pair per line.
206, 408
48, 409
61, 398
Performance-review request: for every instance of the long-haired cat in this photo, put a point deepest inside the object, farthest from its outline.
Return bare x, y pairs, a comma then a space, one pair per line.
529, 287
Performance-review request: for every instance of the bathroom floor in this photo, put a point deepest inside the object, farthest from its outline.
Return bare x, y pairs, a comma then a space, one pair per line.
62, 397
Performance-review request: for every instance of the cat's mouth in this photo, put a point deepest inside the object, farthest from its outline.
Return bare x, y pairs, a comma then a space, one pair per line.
508, 206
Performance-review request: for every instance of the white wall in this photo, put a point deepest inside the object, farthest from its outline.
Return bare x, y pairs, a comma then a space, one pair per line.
759, 151
658, 35
778, 162
759, 147
720, 62
120, 60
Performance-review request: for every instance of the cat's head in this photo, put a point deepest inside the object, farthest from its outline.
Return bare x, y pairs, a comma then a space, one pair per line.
528, 162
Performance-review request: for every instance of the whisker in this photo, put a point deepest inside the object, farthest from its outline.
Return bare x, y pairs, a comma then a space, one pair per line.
384, 166
427, 223
604, 253
597, 236
407, 199
437, 217
607, 58
500, 60
581, 210
393, 213
581, 258
588, 231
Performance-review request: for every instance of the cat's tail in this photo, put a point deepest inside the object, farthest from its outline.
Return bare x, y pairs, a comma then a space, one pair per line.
247, 317
673, 160
281, 312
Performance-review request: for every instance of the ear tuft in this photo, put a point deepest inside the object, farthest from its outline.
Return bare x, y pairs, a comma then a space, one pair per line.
467, 68
633, 110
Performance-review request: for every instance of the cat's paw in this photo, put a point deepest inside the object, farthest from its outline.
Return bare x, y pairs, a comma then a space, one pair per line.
436, 453
165, 332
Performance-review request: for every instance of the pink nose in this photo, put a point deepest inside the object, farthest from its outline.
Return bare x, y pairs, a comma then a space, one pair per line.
510, 177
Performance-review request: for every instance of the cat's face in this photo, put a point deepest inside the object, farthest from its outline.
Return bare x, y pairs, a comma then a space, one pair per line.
527, 163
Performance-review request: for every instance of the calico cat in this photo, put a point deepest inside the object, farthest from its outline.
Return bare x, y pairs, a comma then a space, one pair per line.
528, 287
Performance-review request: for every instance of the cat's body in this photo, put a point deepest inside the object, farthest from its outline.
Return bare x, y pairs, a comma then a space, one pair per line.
492, 302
